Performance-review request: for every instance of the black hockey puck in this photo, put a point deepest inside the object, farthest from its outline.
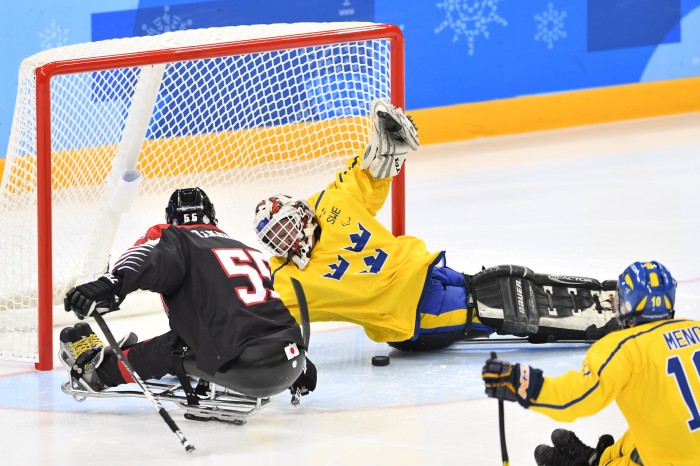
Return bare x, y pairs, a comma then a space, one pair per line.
380, 360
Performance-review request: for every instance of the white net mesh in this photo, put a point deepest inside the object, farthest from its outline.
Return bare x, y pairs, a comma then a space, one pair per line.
241, 126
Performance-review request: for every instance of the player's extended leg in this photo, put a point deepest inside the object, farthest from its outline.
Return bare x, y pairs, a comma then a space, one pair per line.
544, 307
151, 359
443, 314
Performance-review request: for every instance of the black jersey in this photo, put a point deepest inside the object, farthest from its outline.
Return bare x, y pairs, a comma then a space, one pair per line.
216, 290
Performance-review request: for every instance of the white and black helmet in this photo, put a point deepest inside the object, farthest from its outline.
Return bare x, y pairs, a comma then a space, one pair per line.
285, 227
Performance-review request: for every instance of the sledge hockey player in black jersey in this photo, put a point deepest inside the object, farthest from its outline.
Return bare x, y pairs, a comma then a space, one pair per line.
227, 324
354, 269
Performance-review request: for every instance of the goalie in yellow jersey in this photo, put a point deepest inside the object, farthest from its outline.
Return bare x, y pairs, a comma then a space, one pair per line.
651, 368
353, 269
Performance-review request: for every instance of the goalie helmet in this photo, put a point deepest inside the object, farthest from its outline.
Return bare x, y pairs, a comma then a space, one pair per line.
190, 206
646, 293
285, 226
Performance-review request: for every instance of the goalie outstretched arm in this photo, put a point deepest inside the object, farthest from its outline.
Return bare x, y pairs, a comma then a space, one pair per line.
394, 135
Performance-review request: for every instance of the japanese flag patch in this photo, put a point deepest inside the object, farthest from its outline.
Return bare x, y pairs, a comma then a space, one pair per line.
291, 351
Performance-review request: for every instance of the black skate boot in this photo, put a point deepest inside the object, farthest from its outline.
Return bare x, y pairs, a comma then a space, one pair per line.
569, 450
567, 442
81, 351
550, 456
84, 330
604, 441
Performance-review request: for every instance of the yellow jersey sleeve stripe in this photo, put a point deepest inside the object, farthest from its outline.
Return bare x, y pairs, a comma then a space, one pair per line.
603, 366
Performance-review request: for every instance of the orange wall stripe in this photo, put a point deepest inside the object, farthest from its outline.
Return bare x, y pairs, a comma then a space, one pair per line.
436, 125
551, 111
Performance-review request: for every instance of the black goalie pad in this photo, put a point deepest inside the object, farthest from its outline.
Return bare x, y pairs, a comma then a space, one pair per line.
517, 301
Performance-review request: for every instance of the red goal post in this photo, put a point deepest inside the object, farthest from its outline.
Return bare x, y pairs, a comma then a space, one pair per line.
240, 111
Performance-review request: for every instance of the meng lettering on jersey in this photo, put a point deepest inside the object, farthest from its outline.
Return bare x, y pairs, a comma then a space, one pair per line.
682, 338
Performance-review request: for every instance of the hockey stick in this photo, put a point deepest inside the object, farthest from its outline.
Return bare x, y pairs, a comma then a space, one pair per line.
303, 310
156, 404
501, 426
305, 328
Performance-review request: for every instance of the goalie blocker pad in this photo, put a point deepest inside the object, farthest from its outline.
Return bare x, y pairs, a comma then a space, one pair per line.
517, 301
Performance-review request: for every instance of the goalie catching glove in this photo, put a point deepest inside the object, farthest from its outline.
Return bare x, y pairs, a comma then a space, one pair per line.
101, 295
394, 135
511, 382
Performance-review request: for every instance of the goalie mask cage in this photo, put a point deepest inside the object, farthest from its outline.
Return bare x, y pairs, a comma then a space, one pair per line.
104, 132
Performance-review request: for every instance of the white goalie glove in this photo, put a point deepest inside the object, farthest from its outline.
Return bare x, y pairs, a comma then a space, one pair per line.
394, 135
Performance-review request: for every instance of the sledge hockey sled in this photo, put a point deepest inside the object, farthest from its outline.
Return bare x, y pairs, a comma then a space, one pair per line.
208, 401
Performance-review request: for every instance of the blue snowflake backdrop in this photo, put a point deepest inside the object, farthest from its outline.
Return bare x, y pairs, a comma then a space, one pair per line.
150, 20
457, 51
461, 51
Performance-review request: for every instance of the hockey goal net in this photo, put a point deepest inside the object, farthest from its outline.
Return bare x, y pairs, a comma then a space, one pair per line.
104, 132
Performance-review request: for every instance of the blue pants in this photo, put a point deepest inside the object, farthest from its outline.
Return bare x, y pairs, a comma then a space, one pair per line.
444, 304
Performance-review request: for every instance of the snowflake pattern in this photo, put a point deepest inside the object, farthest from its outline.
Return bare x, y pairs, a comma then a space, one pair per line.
53, 36
469, 18
166, 23
550, 26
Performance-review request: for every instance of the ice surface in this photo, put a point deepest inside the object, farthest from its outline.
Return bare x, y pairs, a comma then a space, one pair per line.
583, 201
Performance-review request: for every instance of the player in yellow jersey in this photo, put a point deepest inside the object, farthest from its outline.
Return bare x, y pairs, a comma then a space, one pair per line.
651, 368
353, 269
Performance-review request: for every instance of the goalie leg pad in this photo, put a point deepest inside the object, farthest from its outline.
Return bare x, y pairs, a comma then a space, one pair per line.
517, 301
505, 299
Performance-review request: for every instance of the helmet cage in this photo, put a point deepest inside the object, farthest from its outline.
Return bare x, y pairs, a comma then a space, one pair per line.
646, 293
285, 227
283, 234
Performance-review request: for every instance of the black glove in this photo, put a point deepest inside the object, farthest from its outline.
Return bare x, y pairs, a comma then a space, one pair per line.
306, 382
509, 382
569, 450
101, 295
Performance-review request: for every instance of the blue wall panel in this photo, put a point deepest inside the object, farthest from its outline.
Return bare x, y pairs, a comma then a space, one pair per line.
615, 24
157, 19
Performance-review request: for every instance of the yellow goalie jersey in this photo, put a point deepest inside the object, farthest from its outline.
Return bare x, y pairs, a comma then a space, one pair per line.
359, 272
652, 370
